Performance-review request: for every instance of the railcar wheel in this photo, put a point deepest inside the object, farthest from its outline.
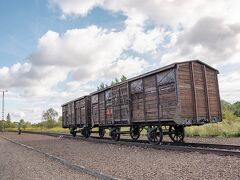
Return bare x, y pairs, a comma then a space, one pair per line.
73, 132
155, 135
115, 135
135, 132
176, 133
101, 132
86, 132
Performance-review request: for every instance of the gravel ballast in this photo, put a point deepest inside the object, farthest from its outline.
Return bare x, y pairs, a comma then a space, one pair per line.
133, 162
17, 162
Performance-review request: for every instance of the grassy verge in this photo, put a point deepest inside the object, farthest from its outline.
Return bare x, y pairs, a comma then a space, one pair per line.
55, 129
222, 129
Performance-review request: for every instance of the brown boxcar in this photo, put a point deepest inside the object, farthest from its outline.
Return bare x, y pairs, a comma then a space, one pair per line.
76, 114
185, 93
177, 95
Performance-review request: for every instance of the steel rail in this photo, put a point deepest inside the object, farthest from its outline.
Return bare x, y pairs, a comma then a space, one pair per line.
220, 149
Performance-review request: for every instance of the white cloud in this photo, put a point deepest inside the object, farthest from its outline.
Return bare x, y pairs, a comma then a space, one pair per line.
129, 67
75, 59
170, 12
76, 7
210, 39
229, 86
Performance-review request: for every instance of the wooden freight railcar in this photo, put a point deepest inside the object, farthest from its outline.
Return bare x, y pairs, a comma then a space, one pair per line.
76, 114
178, 95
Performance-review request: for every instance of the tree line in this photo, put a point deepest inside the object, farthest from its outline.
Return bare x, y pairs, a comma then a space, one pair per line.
115, 81
50, 119
230, 112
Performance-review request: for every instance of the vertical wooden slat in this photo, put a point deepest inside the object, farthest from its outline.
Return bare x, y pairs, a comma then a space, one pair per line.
144, 101
219, 101
74, 115
206, 92
98, 109
158, 101
194, 91
104, 99
177, 90
80, 113
92, 121
119, 96
113, 121
129, 103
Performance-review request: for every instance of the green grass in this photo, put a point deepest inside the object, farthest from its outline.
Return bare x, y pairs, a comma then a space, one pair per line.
222, 129
55, 129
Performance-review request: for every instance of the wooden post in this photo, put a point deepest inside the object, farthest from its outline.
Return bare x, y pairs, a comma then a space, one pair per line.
206, 92
194, 91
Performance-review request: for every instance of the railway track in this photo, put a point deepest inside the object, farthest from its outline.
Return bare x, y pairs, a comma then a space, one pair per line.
67, 163
219, 149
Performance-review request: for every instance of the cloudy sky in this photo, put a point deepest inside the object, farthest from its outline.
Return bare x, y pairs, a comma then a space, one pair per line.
54, 50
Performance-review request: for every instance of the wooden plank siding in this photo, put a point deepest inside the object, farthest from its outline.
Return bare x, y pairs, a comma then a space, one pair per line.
198, 92
76, 113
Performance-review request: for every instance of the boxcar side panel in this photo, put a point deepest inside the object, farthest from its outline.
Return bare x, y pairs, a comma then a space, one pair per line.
95, 109
201, 101
213, 95
108, 106
124, 103
71, 114
151, 98
101, 108
137, 100
64, 116
168, 99
88, 110
78, 112
199, 97
185, 90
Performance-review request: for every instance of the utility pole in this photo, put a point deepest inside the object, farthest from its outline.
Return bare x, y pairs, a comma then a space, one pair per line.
3, 93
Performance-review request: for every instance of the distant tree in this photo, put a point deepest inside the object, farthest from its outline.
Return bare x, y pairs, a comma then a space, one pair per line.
112, 83
236, 108
123, 78
8, 123
101, 86
116, 80
49, 117
8, 117
22, 124
59, 122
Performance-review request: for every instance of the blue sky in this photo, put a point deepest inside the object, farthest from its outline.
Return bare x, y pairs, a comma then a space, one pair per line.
23, 22
48, 46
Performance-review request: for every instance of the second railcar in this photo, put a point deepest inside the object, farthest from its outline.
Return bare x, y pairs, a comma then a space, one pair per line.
77, 114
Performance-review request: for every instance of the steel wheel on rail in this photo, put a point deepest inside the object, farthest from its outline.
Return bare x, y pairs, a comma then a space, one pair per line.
73, 132
101, 132
176, 133
86, 132
134, 132
115, 135
155, 135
